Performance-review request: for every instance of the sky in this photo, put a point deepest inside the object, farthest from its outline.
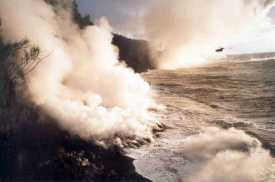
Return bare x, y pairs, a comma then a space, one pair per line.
122, 15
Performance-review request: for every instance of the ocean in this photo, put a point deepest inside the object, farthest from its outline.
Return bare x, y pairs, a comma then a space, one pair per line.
235, 98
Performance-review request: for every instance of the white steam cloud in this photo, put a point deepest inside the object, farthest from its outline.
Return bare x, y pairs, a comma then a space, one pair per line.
82, 85
80, 82
184, 33
227, 155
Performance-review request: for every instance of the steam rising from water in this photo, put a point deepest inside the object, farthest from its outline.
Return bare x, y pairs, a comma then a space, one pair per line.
185, 32
227, 155
80, 82
83, 86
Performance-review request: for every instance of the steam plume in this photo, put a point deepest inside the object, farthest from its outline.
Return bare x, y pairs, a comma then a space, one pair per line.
184, 32
230, 155
80, 82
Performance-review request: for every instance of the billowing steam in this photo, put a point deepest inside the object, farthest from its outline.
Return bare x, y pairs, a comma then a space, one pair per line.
185, 32
227, 155
83, 86
80, 81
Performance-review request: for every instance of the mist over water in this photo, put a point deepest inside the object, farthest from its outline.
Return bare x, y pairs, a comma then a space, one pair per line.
222, 124
227, 155
88, 92
186, 33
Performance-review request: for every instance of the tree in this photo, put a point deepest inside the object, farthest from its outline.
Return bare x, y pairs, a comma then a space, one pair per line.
17, 61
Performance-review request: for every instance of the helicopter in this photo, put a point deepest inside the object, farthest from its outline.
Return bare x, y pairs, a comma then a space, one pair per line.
220, 49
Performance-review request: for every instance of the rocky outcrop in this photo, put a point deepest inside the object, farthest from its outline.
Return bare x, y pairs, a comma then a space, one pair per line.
135, 53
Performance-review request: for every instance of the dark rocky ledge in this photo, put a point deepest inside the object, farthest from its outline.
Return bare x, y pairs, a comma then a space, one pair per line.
31, 150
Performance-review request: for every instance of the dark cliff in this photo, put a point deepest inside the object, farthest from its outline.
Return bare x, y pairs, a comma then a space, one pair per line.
135, 53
